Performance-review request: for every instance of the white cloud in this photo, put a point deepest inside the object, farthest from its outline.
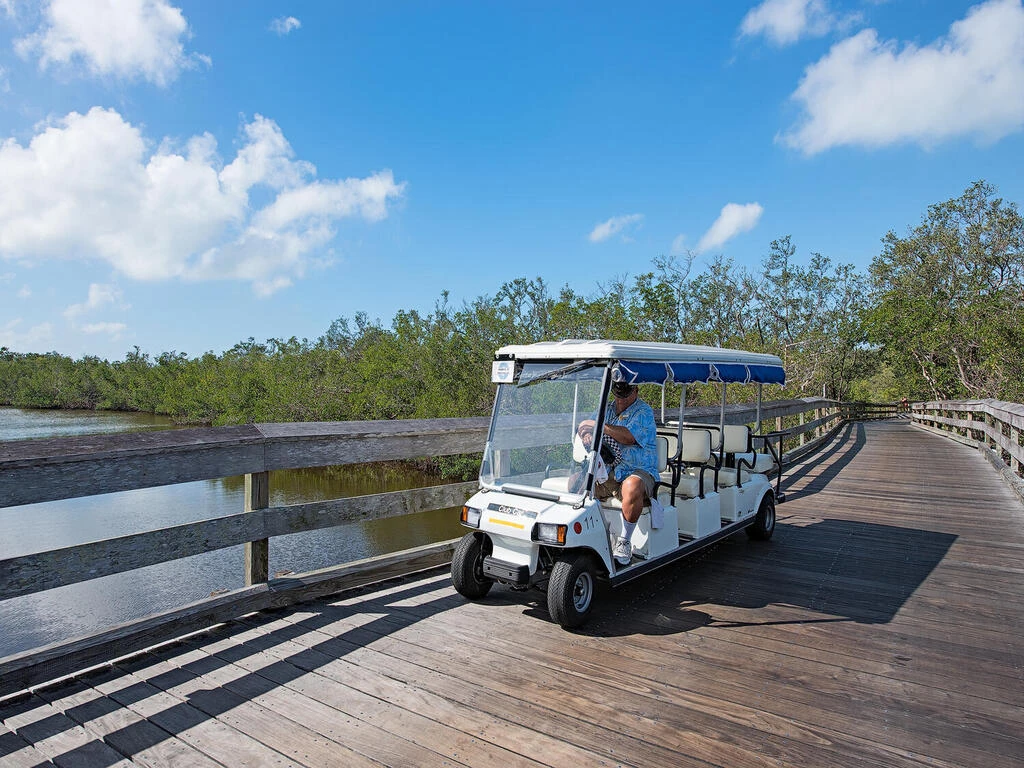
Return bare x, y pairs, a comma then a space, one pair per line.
99, 296
678, 245
6, 277
87, 188
786, 21
5, 84
733, 220
129, 39
24, 292
614, 226
284, 25
36, 337
871, 93
114, 330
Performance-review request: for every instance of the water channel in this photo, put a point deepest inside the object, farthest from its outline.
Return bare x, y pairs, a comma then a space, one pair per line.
80, 609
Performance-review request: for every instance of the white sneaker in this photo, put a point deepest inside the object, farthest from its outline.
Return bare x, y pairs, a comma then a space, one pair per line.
622, 551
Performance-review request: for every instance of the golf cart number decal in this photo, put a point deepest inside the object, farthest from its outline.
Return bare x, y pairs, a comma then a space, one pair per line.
512, 511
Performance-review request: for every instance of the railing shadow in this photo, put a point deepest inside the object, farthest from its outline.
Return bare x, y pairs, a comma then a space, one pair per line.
148, 676
844, 447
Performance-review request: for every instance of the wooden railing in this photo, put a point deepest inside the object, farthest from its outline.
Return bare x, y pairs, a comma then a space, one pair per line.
47, 470
993, 427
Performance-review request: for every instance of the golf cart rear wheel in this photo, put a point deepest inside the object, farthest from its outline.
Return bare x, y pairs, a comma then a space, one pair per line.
571, 589
764, 522
468, 567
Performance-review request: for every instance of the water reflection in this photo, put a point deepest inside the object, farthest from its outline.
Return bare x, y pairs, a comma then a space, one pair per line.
78, 609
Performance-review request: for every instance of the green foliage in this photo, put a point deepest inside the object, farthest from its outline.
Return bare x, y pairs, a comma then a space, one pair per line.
939, 316
949, 300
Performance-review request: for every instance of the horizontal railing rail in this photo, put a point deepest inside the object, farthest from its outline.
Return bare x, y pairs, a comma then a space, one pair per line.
61, 468
994, 427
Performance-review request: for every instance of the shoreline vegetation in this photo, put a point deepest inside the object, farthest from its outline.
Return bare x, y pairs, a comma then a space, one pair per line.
938, 316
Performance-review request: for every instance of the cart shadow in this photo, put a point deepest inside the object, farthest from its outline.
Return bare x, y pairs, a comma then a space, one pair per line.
824, 572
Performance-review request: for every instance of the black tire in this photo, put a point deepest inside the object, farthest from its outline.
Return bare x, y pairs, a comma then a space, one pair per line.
764, 522
571, 589
468, 568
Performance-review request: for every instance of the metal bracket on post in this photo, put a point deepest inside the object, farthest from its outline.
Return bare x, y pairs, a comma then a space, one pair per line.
257, 553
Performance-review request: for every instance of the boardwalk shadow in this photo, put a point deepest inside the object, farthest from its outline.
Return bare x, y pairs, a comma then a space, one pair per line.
828, 571
841, 452
272, 657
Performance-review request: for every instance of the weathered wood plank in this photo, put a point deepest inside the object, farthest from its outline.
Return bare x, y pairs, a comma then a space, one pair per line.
15, 752
121, 728
59, 738
28, 574
42, 665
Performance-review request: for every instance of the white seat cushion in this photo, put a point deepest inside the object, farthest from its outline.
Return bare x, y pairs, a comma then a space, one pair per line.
762, 462
689, 485
727, 477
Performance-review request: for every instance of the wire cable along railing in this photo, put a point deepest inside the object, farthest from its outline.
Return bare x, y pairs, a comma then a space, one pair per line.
64, 468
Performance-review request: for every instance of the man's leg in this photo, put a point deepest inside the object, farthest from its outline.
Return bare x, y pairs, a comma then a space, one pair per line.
634, 494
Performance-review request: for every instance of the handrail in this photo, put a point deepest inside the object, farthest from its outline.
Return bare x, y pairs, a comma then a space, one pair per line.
994, 427
61, 468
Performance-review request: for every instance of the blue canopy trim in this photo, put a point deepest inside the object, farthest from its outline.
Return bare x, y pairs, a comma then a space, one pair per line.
767, 374
732, 372
635, 372
690, 373
639, 372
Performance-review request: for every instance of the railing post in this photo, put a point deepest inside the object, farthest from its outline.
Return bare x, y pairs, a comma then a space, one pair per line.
803, 435
257, 553
1015, 464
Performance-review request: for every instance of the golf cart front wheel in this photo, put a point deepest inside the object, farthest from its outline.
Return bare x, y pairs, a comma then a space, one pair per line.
571, 590
468, 567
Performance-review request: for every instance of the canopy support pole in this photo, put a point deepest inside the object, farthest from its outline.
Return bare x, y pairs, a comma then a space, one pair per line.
682, 410
757, 429
721, 429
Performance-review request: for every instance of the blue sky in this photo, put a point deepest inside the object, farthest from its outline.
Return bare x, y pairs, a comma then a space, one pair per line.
184, 175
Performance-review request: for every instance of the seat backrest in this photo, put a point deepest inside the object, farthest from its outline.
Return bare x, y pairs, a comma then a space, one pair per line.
737, 438
712, 429
662, 453
696, 446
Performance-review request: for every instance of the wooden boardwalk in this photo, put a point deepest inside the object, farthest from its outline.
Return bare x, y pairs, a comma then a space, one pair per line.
882, 626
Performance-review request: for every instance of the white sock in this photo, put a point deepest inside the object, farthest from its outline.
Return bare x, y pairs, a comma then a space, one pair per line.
627, 529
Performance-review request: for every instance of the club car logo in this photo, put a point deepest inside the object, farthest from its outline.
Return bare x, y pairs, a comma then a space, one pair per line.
512, 511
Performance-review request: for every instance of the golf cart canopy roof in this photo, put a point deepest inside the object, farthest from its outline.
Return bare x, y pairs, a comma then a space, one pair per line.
648, 362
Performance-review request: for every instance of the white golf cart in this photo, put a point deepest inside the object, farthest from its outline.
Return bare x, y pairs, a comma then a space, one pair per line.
535, 520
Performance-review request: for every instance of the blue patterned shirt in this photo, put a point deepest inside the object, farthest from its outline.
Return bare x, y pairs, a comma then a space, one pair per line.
639, 420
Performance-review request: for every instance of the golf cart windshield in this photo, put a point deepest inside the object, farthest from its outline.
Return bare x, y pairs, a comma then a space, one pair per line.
535, 419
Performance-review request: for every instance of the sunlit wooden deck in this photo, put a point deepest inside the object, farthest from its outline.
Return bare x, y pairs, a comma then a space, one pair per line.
882, 626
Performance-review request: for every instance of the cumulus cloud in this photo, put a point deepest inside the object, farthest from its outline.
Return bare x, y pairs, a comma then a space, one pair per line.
733, 220
36, 337
614, 226
114, 330
130, 39
24, 292
785, 21
284, 25
871, 93
99, 296
88, 188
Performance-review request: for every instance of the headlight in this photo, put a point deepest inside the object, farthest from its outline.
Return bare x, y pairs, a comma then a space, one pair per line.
471, 517
550, 533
